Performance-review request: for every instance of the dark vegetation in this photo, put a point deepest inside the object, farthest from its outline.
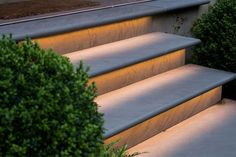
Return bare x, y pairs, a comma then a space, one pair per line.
47, 107
217, 30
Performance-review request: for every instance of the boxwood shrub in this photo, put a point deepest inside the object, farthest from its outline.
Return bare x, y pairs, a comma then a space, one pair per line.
47, 108
217, 30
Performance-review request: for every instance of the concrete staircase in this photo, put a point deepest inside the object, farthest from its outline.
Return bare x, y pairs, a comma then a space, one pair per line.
144, 86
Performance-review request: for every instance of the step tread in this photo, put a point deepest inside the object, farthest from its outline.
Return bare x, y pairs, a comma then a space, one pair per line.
211, 133
133, 104
67, 23
113, 56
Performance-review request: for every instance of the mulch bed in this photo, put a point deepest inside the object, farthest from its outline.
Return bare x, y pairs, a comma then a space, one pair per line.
37, 7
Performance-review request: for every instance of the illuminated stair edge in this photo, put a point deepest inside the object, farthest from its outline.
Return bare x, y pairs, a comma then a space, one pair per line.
123, 77
165, 120
126, 107
58, 25
209, 133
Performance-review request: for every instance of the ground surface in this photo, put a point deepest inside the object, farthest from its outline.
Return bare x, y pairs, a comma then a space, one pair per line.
36, 7
211, 133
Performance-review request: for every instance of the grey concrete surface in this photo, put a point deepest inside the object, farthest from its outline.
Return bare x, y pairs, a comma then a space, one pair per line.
211, 133
113, 56
180, 21
133, 104
73, 22
165, 120
175, 22
123, 77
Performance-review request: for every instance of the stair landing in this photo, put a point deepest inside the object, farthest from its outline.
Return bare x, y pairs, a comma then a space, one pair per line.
211, 133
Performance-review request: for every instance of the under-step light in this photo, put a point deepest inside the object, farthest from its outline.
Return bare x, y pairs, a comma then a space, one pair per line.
155, 125
77, 40
137, 72
209, 133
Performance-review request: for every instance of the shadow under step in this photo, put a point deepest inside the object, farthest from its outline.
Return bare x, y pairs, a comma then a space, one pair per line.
121, 63
141, 110
211, 133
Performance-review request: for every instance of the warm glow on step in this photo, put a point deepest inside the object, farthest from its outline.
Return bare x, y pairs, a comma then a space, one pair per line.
137, 72
91, 37
210, 133
165, 120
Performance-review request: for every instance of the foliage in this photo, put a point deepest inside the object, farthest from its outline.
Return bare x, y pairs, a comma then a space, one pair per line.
47, 108
217, 31
111, 151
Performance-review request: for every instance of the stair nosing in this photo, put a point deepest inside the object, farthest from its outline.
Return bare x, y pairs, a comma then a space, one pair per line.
146, 58
184, 42
170, 106
31, 28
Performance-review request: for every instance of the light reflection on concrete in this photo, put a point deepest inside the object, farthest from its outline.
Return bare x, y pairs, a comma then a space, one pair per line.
137, 72
211, 133
165, 120
91, 37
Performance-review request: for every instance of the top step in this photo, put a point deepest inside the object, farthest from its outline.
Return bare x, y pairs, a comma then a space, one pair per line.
76, 21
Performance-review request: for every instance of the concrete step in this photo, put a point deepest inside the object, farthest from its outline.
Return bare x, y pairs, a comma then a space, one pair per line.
72, 32
211, 133
144, 109
121, 63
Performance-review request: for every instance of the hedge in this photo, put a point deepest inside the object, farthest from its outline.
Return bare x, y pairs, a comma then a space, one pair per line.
217, 31
47, 108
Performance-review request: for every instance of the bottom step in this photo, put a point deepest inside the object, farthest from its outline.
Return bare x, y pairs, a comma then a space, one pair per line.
211, 133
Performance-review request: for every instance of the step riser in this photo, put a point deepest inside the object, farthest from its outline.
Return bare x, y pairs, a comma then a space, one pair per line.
177, 22
134, 73
91, 37
167, 119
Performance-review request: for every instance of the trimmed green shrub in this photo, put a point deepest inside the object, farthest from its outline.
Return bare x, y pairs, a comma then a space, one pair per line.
47, 108
217, 30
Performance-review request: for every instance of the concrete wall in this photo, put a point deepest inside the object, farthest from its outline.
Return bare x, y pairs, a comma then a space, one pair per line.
179, 22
